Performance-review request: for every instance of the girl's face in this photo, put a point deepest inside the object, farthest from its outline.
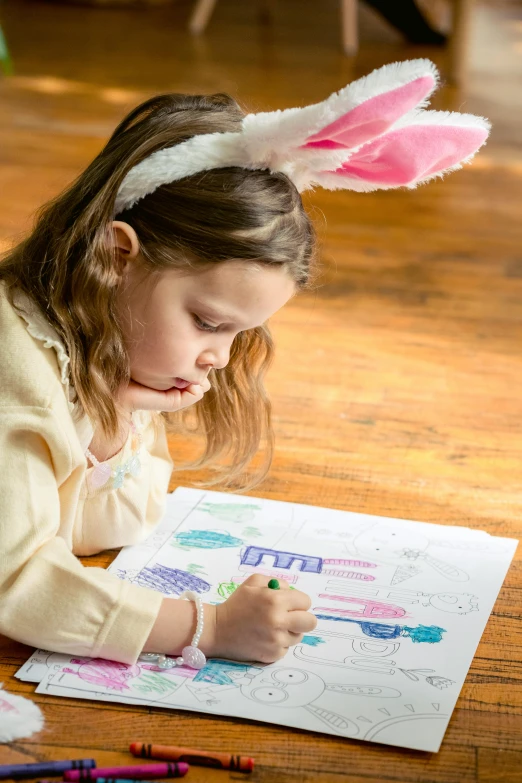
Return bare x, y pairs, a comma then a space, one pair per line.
183, 326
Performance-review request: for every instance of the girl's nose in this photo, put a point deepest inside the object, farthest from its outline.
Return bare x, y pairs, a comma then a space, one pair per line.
215, 358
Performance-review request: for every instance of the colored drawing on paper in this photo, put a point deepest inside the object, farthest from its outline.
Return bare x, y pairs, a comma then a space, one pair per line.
453, 603
429, 676
194, 568
231, 512
155, 684
207, 539
251, 532
255, 555
312, 641
429, 634
378, 657
102, 673
170, 581
225, 589
365, 607
220, 672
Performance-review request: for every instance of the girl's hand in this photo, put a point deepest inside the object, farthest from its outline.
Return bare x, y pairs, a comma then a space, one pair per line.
136, 397
260, 624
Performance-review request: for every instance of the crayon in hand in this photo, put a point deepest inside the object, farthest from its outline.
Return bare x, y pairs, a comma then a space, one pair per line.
138, 772
49, 768
202, 758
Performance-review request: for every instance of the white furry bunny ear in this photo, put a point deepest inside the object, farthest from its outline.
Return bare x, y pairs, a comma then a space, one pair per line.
371, 134
356, 114
19, 717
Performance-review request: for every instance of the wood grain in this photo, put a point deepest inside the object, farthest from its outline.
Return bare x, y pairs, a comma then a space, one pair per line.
396, 387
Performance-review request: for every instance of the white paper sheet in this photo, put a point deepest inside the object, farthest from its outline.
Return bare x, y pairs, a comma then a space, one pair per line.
401, 608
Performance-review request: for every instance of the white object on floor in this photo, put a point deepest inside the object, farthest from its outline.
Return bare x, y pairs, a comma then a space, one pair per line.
19, 717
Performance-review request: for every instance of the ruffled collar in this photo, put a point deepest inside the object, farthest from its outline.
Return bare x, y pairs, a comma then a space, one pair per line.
39, 327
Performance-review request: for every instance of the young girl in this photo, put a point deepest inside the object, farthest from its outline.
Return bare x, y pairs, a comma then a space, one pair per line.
145, 289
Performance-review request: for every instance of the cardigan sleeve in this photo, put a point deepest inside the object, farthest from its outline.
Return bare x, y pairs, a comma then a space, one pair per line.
109, 517
48, 598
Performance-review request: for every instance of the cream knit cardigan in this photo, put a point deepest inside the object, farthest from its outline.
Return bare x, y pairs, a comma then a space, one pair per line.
48, 514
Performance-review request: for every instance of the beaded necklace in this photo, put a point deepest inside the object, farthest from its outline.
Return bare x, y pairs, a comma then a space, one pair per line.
103, 471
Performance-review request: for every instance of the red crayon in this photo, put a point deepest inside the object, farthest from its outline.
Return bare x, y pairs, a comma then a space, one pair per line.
138, 772
202, 758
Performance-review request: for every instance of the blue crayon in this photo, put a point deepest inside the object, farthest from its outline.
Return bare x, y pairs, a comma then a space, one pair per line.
50, 768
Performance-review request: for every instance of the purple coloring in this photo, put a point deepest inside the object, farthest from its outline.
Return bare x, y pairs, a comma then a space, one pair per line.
170, 581
253, 555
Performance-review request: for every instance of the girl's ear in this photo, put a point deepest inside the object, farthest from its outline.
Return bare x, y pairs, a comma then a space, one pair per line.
125, 242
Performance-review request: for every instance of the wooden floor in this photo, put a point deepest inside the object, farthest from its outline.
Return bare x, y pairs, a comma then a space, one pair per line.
397, 387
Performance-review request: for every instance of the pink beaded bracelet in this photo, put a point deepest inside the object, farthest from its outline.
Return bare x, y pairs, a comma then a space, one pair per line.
191, 655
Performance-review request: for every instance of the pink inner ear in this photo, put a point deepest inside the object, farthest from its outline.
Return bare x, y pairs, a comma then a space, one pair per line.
373, 117
410, 154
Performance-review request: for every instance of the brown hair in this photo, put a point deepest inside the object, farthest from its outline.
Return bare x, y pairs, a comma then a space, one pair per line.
67, 266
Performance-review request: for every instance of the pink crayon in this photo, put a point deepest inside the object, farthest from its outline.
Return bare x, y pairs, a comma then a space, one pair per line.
173, 769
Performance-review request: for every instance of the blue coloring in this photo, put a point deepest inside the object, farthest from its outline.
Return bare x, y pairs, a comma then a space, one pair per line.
170, 581
221, 672
207, 539
424, 633
429, 634
313, 641
253, 555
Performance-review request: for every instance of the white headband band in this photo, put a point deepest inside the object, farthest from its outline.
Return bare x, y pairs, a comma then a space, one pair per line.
373, 134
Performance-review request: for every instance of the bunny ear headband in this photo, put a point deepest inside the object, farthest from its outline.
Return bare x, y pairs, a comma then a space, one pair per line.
373, 134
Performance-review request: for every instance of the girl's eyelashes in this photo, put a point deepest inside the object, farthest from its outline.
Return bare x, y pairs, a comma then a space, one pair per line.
202, 325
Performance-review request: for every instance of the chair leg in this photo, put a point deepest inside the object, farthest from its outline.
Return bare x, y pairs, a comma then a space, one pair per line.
201, 16
349, 26
459, 41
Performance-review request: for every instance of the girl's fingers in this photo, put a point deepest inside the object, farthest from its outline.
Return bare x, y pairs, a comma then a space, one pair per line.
294, 638
298, 600
301, 622
256, 580
137, 397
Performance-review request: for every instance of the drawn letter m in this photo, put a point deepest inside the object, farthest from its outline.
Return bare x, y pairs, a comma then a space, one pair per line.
253, 556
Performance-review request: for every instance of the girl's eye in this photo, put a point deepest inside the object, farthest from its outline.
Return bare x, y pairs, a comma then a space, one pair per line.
203, 326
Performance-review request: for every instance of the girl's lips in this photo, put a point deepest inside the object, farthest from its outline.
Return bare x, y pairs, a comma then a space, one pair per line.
180, 383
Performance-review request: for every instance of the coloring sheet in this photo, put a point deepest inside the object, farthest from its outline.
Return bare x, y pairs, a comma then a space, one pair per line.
401, 607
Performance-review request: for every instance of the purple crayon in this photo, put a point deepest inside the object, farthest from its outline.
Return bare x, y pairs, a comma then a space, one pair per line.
50, 768
171, 769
